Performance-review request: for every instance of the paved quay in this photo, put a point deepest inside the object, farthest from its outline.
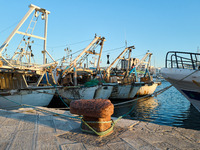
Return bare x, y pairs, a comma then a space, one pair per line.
30, 129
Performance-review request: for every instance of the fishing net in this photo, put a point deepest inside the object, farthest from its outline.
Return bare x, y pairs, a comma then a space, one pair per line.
93, 82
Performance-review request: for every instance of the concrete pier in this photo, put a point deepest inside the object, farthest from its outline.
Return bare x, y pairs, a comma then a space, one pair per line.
30, 129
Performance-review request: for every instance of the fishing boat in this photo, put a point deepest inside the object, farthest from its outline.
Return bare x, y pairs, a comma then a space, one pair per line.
80, 82
125, 86
77, 85
148, 85
23, 82
182, 71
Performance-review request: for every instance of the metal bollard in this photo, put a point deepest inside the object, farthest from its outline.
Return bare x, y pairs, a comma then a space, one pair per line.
96, 113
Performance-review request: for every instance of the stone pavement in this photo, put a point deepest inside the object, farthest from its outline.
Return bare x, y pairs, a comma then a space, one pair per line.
29, 129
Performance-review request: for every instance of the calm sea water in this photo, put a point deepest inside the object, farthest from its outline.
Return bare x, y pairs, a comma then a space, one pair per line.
169, 108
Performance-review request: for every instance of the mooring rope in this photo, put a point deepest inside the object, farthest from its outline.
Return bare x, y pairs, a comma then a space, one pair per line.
60, 97
149, 95
102, 132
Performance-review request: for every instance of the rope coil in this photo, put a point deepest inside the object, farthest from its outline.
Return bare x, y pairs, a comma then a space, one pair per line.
99, 133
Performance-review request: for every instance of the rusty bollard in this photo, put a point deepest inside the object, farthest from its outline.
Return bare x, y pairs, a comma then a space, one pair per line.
96, 113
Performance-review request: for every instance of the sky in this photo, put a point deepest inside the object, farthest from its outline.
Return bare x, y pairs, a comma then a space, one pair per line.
155, 25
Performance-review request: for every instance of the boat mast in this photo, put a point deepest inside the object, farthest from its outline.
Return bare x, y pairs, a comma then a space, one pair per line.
143, 59
86, 51
119, 57
129, 57
32, 8
45, 37
98, 63
5, 44
44, 16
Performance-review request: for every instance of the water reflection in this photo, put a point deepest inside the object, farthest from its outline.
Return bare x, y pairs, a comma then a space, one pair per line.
170, 108
142, 109
191, 119
145, 108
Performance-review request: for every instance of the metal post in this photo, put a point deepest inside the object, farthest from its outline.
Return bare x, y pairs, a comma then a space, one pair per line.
196, 60
98, 63
40, 79
129, 57
149, 60
45, 38
182, 62
176, 60
192, 62
75, 74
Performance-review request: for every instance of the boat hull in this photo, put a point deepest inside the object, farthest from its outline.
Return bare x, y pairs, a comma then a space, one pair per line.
75, 93
133, 91
104, 91
34, 97
186, 81
124, 92
147, 89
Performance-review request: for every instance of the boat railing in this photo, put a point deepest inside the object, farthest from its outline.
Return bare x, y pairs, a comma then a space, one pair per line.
182, 60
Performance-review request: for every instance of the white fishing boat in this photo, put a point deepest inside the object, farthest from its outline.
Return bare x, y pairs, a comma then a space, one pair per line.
146, 80
120, 91
21, 80
10, 99
77, 92
81, 83
182, 71
125, 86
125, 92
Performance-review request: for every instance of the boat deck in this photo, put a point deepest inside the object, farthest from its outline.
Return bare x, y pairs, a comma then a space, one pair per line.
31, 129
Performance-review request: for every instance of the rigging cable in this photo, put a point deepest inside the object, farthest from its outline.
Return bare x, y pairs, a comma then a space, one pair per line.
114, 49
65, 44
9, 27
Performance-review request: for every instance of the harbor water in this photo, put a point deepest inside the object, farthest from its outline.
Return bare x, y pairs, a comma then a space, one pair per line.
170, 108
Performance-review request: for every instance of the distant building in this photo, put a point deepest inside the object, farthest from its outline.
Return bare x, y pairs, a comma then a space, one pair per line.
158, 71
133, 62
